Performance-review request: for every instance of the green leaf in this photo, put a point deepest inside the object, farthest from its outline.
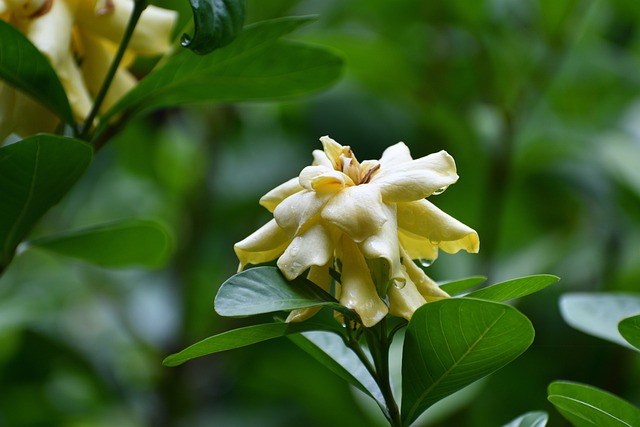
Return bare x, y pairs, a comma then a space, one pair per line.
330, 350
23, 66
514, 288
237, 338
456, 287
34, 175
598, 313
129, 242
530, 419
629, 328
216, 24
265, 290
453, 342
256, 66
586, 406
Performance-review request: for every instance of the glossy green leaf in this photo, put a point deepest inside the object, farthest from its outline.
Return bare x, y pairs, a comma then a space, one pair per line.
24, 67
586, 406
456, 287
257, 65
34, 175
514, 288
237, 338
265, 290
451, 343
216, 24
330, 350
530, 419
598, 313
629, 328
129, 242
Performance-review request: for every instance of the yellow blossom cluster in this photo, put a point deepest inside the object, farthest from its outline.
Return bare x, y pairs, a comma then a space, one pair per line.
367, 220
79, 38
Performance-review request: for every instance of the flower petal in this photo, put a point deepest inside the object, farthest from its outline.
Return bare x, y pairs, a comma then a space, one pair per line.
404, 301
358, 292
314, 246
358, 211
324, 180
418, 247
384, 245
51, 32
151, 36
321, 277
321, 159
429, 289
396, 154
423, 219
296, 210
416, 179
265, 244
95, 63
274, 197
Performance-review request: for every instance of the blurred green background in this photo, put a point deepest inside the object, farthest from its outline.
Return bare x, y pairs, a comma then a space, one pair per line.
537, 101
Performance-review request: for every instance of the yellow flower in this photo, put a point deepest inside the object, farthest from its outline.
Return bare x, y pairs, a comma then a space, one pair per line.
79, 38
367, 220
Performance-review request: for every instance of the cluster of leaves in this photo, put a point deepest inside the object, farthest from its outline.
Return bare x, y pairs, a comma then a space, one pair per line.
449, 344
233, 65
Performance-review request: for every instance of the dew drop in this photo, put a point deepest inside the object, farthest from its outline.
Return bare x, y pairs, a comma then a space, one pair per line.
399, 283
425, 262
440, 190
434, 242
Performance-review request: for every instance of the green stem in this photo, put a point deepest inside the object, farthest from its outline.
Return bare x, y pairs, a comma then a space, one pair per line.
138, 7
379, 344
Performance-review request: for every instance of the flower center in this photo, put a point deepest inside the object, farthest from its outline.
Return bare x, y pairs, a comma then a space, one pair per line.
360, 173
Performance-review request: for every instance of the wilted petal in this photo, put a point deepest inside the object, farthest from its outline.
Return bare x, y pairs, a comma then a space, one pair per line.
358, 211
151, 36
358, 290
296, 210
321, 277
265, 244
274, 197
417, 179
422, 218
314, 246
404, 301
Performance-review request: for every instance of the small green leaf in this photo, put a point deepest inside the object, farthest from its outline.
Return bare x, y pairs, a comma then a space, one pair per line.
598, 313
456, 287
129, 242
514, 288
265, 290
24, 67
530, 419
216, 24
453, 342
256, 66
34, 175
586, 406
629, 328
330, 350
237, 338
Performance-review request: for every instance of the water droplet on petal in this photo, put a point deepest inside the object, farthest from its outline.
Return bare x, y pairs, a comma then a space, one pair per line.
399, 283
439, 190
434, 242
425, 262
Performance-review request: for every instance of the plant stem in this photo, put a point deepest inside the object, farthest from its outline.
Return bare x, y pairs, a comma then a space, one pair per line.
379, 344
138, 7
